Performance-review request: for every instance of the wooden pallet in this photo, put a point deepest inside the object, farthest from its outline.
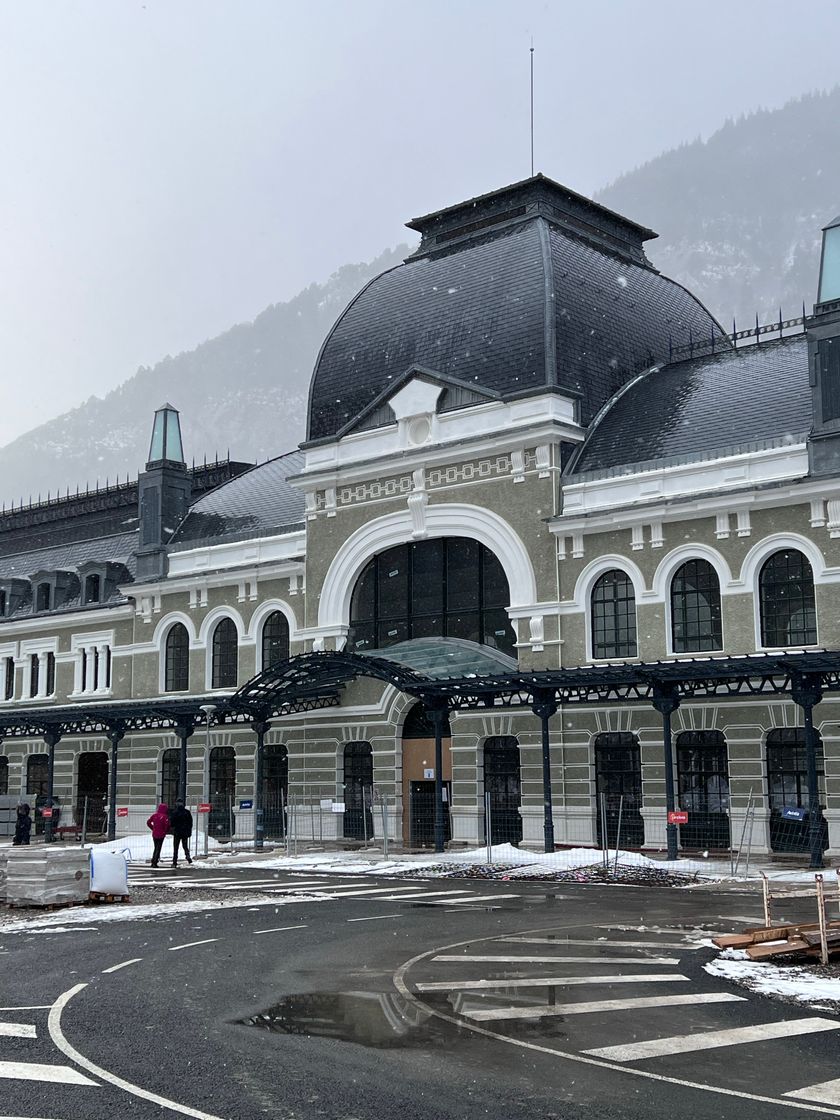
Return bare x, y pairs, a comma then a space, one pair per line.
98, 896
44, 905
764, 942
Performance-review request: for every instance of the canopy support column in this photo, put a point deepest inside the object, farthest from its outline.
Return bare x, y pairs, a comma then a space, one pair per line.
544, 707
666, 701
183, 730
115, 734
806, 692
52, 736
260, 726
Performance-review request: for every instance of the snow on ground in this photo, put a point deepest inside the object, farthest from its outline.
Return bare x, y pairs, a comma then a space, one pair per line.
800, 984
356, 863
138, 847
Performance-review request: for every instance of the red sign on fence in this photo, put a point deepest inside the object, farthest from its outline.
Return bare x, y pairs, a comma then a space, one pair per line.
46, 813
678, 816
122, 812
204, 807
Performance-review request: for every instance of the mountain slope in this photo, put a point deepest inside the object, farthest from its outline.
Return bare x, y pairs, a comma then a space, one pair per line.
244, 392
740, 214
739, 217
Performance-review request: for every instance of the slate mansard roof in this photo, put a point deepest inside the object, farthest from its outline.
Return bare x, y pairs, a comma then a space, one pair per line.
745, 399
253, 504
527, 288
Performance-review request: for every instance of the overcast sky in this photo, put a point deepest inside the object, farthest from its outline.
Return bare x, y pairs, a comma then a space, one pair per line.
170, 167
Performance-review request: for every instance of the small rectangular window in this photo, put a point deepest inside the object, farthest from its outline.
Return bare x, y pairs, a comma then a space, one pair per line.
33, 674
50, 688
9, 683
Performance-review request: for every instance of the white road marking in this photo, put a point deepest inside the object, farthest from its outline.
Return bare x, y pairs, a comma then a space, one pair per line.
472, 898
826, 1092
551, 982
708, 1040
421, 894
64, 1046
375, 918
17, 1030
344, 892
559, 960
560, 942
741, 918
277, 929
192, 944
124, 964
32, 1007
592, 1006
35, 1071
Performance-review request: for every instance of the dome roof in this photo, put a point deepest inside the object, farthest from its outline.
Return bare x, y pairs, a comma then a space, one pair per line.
253, 504
528, 288
740, 400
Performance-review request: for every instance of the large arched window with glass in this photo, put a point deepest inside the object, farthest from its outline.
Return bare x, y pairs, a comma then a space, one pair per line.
177, 659
225, 655
452, 587
695, 608
613, 616
275, 639
786, 600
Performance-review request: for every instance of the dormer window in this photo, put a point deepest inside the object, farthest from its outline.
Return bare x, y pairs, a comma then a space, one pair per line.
43, 597
93, 588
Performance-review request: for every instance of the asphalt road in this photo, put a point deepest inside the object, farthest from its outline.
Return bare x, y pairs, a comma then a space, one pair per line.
326, 1000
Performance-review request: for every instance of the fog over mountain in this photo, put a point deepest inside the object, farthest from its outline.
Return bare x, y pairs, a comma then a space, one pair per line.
739, 217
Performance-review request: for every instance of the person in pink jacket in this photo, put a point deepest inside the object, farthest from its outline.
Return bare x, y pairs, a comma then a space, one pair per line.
159, 824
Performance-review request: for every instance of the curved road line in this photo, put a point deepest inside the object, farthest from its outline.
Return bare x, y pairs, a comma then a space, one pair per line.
402, 987
57, 1035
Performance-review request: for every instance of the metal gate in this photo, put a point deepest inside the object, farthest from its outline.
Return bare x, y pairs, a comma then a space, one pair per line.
502, 783
618, 776
358, 791
703, 782
787, 783
422, 813
222, 792
92, 787
275, 789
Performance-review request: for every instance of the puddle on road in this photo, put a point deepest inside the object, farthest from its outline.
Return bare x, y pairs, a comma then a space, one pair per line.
386, 1020
377, 1019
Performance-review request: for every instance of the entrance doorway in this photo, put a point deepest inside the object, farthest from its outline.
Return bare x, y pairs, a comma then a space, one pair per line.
502, 783
222, 792
37, 783
618, 777
275, 790
418, 784
92, 789
170, 776
703, 777
787, 774
358, 791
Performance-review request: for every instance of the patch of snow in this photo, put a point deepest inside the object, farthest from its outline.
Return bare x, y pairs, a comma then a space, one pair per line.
795, 983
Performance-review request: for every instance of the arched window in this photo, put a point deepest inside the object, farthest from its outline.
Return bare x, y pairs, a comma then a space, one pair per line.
695, 608
225, 655
92, 588
177, 659
613, 616
275, 639
786, 600
452, 587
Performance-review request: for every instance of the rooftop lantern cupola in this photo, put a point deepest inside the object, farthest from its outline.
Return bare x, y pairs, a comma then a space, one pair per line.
164, 493
166, 443
823, 331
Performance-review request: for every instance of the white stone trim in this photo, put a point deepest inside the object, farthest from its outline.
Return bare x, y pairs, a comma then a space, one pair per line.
442, 520
282, 550
159, 643
730, 472
583, 592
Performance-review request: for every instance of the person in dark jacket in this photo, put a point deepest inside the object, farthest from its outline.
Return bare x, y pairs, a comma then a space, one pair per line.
159, 824
182, 826
23, 824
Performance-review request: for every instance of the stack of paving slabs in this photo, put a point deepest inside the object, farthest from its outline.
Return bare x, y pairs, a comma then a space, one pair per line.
800, 940
47, 876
